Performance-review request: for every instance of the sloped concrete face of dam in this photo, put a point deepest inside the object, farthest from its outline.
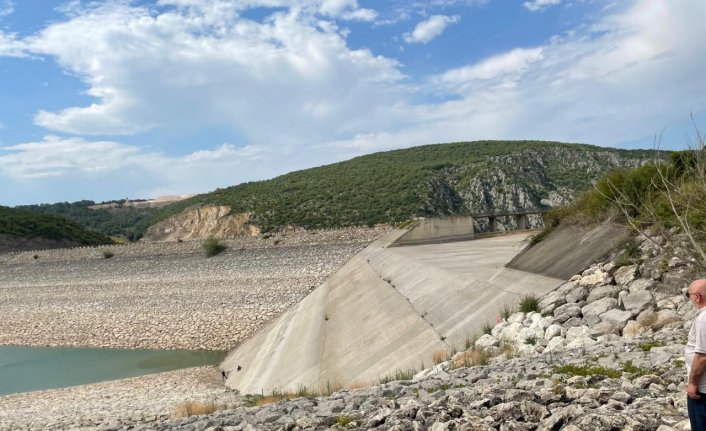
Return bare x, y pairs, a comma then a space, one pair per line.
387, 309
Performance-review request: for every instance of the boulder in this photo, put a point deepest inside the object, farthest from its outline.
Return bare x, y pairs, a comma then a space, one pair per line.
551, 301
617, 318
595, 279
486, 342
664, 317
592, 311
565, 312
579, 293
637, 302
633, 329
640, 284
511, 331
603, 328
671, 303
556, 344
516, 317
626, 274
601, 292
552, 331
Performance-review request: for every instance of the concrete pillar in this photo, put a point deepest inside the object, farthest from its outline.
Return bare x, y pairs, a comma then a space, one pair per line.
492, 224
521, 220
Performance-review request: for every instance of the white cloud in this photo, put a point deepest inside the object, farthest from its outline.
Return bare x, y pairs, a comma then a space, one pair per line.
56, 158
429, 29
537, 5
289, 78
7, 7
627, 76
10, 46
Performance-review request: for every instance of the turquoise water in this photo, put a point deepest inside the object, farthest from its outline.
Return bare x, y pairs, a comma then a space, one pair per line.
33, 368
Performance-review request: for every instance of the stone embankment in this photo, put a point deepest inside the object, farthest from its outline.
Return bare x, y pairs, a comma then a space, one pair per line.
604, 353
167, 295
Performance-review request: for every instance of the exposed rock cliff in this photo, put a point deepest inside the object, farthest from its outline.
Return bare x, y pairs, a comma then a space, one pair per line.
202, 222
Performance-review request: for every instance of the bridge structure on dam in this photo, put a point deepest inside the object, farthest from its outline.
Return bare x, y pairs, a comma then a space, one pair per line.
521, 218
460, 227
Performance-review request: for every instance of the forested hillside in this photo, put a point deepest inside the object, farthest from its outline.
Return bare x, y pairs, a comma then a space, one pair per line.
114, 220
443, 179
18, 225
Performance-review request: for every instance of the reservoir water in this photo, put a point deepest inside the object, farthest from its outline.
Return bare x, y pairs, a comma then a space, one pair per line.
33, 368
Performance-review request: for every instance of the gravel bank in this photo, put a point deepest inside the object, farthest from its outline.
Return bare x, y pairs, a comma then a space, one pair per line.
165, 295
118, 403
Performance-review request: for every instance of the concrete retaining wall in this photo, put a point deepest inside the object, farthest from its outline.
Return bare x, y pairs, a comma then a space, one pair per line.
444, 229
387, 309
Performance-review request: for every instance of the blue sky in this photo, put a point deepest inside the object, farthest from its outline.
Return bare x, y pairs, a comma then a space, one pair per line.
112, 99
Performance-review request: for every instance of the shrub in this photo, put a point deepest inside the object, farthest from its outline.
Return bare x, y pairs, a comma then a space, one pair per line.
107, 254
194, 408
529, 303
213, 246
587, 370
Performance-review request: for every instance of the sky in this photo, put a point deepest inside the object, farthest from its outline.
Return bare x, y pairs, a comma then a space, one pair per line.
116, 99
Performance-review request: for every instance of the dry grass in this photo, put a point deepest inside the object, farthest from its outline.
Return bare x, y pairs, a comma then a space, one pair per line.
195, 408
471, 358
438, 357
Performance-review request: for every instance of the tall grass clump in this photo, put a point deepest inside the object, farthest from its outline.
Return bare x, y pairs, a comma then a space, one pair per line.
213, 246
529, 303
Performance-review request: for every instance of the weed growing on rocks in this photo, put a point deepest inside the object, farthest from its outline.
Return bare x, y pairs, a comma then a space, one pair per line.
438, 357
486, 328
506, 311
648, 345
344, 421
587, 371
529, 303
107, 254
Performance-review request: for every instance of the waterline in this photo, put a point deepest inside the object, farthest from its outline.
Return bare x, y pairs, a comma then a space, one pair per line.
25, 369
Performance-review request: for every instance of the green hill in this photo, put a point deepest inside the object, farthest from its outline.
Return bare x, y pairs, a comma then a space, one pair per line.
20, 225
443, 179
115, 219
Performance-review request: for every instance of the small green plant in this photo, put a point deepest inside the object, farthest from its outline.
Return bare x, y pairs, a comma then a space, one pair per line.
400, 375
35, 257
532, 340
587, 370
648, 345
107, 254
506, 311
529, 303
344, 421
629, 367
487, 328
213, 246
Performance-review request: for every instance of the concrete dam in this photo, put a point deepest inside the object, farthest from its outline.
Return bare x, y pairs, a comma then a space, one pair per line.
387, 309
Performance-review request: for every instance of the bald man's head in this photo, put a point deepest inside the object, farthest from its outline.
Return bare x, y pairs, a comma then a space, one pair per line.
698, 286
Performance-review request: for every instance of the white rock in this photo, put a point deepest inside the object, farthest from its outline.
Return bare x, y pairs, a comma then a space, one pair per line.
487, 341
517, 317
556, 344
601, 292
596, 279
577, 332
592, 311
552, 331
640, 284
637, 302
511, 331
617, 318
633, 329
551, 301
625, 274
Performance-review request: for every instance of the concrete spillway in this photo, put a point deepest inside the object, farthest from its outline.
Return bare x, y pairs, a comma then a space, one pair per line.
387, 309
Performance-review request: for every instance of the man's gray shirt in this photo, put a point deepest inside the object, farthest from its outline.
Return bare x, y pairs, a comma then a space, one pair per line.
696, 343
